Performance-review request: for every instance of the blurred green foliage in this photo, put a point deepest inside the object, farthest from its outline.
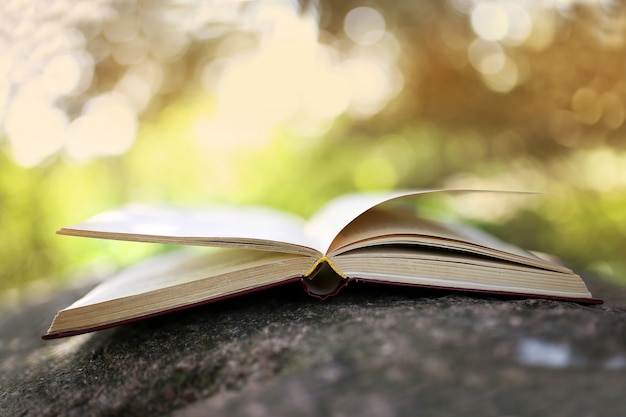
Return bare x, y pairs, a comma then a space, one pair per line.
583, 226
559, 128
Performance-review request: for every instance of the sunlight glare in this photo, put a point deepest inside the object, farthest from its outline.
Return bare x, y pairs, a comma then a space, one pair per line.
107, 127
369, 85
34, 126
293, 80
327, 94
259, 90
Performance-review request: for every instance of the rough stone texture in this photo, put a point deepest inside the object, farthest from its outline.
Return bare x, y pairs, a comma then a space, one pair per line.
373, 350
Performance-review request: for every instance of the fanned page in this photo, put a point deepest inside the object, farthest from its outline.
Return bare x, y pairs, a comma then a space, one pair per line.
255, 227
336, 215
361, 220
397, 226
389, 242
245, 227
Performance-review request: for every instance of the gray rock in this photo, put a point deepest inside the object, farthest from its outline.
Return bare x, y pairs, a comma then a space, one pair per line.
373, 350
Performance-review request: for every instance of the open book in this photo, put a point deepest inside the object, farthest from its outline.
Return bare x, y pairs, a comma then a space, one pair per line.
366, 237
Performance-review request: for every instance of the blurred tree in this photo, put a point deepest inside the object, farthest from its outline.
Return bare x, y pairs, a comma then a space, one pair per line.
290, 103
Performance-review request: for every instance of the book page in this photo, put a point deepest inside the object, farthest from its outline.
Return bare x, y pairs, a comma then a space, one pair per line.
177, 268
329, 221
176, 280
384, 225
249, 227
433, 268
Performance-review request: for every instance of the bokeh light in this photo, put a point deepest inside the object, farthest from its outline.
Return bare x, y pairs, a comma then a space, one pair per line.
309, 87
364, 25
292, 102
34, 126
107, 126
490, 21
314, 83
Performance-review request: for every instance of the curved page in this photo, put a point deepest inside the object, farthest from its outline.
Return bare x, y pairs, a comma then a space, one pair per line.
333, 217
248, 227
359, 220
389, 226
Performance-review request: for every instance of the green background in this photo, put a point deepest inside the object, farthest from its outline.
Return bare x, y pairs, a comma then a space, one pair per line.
458, 119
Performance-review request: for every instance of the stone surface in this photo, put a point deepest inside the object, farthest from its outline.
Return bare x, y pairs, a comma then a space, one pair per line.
373, 350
